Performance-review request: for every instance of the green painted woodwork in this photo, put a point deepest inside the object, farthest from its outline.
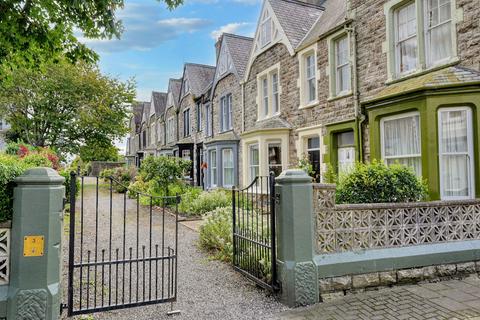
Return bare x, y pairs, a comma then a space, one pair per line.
35, 290
295, 238
428, 104
330, 141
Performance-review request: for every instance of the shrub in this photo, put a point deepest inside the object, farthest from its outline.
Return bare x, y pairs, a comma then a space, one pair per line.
164, 170
105, 174
10, 168
199, 203
122, 177
216, 234
36, 160
379, 183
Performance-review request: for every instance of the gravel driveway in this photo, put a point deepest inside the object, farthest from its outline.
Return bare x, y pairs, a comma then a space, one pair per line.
206, 289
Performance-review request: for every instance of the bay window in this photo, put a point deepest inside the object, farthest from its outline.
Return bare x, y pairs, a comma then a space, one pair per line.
213, 168
400, 137
253, 162
228, 168
275, 159
456, 153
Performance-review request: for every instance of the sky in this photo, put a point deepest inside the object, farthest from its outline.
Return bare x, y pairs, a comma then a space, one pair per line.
157, 42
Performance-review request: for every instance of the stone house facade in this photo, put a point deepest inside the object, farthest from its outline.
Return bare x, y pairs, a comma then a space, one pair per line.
225, 116
337, 82
167, 145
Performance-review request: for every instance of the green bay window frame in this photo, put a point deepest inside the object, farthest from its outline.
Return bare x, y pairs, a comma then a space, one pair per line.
330, 140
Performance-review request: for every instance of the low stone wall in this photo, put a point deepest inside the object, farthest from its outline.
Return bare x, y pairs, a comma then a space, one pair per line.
99, 166
367, 245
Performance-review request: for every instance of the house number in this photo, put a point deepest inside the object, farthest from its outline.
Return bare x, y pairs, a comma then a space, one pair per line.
33, 246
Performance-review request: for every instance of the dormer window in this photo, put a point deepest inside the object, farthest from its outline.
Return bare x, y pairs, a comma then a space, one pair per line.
266, 30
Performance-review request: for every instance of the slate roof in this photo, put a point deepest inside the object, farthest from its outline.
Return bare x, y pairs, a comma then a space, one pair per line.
146, 110
175, 85
451, 76
334, 15
159, 100
199, 76
137, 109
239, 48
271, 123
296, 17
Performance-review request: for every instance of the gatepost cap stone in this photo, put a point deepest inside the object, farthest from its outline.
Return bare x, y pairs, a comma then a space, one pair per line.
40, 176
294, 175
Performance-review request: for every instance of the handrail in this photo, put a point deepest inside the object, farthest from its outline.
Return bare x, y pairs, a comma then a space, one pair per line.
252, 183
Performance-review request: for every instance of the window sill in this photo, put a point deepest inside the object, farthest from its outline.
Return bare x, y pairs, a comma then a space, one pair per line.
421, 72
268, 117
309, 105
340, 96
225, 131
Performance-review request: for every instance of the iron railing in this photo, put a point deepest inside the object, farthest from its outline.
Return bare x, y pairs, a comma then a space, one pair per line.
254, 240
121, 254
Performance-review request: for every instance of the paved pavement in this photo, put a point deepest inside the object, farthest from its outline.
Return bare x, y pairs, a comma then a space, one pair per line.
452, 299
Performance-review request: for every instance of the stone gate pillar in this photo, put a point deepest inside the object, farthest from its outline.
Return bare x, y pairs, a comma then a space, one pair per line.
295, 236
35, 289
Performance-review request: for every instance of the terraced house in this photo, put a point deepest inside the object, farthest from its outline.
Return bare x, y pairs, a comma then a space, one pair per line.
167, 146
196, 82
224, 120
337, 82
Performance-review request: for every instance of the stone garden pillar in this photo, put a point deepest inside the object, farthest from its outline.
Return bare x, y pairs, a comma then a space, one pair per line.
295, 236
35, 288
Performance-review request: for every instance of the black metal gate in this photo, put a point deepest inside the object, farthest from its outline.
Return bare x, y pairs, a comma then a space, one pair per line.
121, 254
254, 249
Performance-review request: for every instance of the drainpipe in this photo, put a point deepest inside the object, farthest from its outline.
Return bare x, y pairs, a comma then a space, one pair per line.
359, 117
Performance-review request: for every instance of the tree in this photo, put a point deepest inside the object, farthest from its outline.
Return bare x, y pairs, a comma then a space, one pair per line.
31, 30
64, 106
99, 151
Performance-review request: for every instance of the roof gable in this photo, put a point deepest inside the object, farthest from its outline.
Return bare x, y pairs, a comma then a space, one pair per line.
159, 103
196, 78
287, 22
173, 95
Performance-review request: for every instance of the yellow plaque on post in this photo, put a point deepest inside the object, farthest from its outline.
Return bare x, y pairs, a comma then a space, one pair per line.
33, 246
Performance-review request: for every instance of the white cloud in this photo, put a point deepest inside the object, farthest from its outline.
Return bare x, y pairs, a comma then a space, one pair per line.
144, 29
235, 27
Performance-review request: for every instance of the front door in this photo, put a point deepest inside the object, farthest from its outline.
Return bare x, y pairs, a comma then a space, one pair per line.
456, 153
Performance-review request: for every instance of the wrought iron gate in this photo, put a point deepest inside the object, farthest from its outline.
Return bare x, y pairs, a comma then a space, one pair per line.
254, 249
121, 254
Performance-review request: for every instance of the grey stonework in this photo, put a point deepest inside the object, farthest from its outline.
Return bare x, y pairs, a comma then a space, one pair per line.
356, 283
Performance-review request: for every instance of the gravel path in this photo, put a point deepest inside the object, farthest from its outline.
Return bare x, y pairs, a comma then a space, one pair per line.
206, 289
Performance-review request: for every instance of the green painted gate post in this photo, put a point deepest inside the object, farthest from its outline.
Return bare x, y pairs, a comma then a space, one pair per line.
295, 248
35, 289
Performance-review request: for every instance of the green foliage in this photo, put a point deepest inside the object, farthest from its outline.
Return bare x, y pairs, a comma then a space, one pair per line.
122, 177
164, 171
305, 165
13, 148
36, 160
216, 234
330, 175
379, 183
188, 197
10, 168
199, 203
32, 31
66, 106
99, 151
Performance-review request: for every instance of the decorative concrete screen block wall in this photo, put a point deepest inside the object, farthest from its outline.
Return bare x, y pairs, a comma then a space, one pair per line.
4, 256
343, 228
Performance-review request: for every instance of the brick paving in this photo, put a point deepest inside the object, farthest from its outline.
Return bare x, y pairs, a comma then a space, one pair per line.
452, 299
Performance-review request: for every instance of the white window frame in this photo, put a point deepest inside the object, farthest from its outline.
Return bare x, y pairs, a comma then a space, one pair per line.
208, 120
229, 185
213, 159
428, 29
266, 29
423, 51
382, 137
250, 165
470, 153
399, 41
226, 113
266, 93
274, 82
333, 68
303, 81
